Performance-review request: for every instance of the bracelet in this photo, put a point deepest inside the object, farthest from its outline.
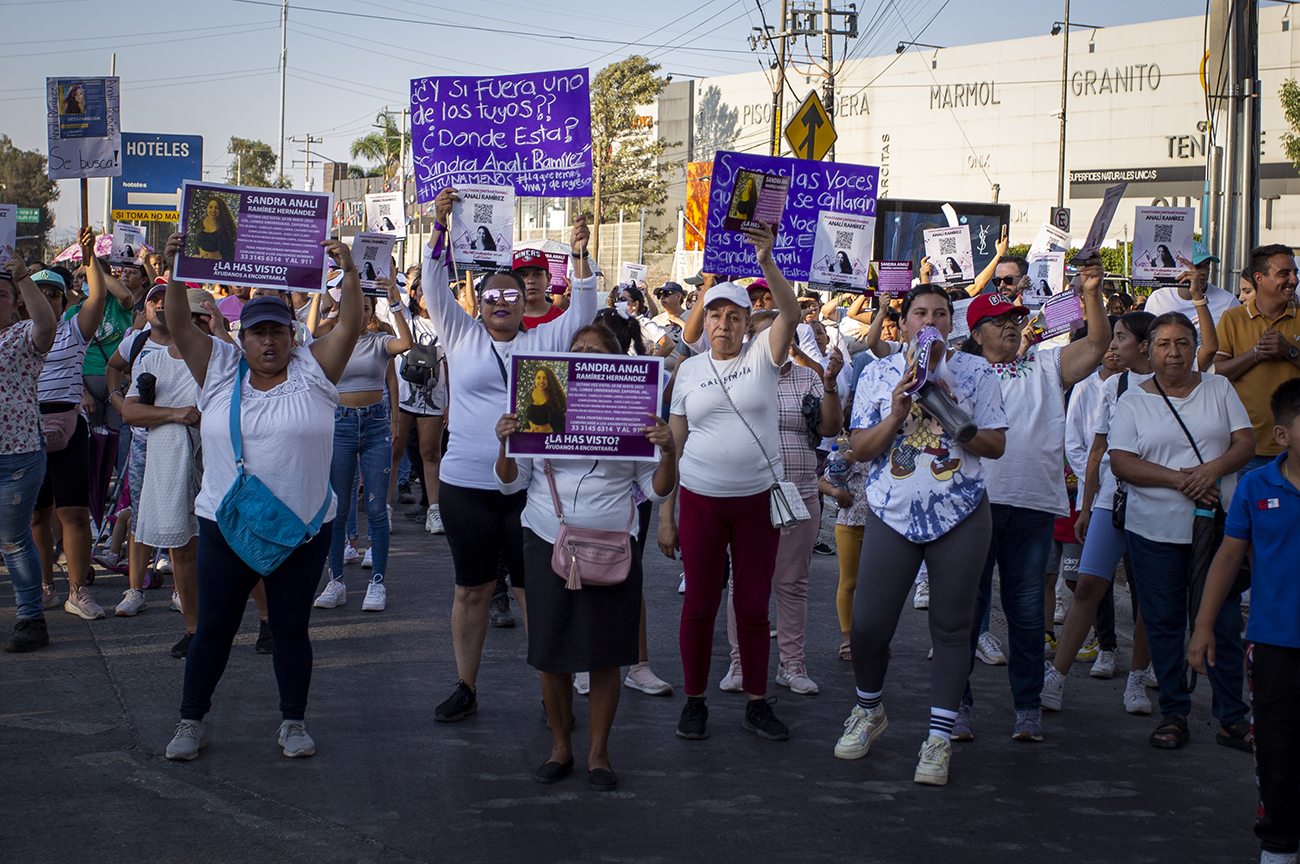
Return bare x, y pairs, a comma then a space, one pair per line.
1256, 350
576, 255
831, 391
1200, 302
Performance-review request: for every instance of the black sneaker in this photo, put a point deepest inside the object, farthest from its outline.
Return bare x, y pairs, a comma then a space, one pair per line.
821, 548
182, 648
405, 495
694, 724
263, 645
499, 612
29, 634
760, 720
460, 704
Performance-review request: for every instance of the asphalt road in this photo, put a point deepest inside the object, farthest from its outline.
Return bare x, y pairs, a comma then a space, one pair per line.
83, 725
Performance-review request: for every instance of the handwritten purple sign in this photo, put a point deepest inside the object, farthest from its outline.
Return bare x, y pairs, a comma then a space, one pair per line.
532, 131
814, 187
261, 238
584, 406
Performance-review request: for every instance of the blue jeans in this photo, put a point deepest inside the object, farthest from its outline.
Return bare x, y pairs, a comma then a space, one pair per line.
1255, 462
21, 476
1162, 594
362, 435
1020, 546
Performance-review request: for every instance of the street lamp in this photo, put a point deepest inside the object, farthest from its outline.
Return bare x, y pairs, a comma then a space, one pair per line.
1059, 27
902, 46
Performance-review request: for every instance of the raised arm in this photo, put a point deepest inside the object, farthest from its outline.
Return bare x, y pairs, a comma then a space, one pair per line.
694, 328
1204, 320
95, 273
333, 351
194, 345
92, 311
555, 335
875, 344
986, 275
1080, 359
781, 333
44, 321
404, 340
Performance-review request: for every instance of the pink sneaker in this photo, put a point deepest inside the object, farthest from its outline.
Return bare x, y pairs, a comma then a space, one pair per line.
80, 603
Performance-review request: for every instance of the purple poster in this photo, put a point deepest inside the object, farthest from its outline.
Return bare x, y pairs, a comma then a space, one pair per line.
894, 277
262, 238
814, 187
584, 406
531, 131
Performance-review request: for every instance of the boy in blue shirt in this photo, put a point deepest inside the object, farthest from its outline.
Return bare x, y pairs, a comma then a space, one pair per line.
1264, 518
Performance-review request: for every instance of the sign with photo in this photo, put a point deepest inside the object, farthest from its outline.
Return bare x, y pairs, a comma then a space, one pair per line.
1049, 239
841, 258
1046, 279
8, 230
373, 256
385, 214
949, 252
1162, 244
629, 272
84, 132
483, 228
128, 244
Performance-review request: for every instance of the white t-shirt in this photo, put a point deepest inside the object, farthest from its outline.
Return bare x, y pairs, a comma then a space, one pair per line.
1031, 473
593, 493
1107, 487
720, 458
287, 432
61, 377
1086, 399
1164, 300
651, 333
1144, 425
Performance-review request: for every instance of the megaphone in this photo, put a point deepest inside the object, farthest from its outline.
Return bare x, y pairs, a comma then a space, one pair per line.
933, 398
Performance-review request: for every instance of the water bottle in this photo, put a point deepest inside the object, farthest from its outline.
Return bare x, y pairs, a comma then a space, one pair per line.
837, 468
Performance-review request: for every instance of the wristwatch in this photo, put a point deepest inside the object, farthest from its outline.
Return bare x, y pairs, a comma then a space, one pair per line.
1293, 353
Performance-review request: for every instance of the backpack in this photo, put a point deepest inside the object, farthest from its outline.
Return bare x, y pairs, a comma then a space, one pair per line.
420, 366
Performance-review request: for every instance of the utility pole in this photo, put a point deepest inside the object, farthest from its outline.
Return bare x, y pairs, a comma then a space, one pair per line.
1232, 72
284, 60
828, 57
307, 161
778, 95
802, 20
1065, 84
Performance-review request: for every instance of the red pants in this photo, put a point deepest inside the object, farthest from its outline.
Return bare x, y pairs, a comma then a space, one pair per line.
706, 528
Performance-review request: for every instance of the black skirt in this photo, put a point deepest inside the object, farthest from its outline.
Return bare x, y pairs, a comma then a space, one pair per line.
578, 631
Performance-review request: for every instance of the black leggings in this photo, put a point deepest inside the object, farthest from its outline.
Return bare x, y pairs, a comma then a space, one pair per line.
483, 526
225, 582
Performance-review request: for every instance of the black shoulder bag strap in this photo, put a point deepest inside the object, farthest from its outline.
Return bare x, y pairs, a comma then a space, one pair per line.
1181, 424
505, 379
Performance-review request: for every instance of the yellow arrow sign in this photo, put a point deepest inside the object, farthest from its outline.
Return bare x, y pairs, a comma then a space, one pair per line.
810, 132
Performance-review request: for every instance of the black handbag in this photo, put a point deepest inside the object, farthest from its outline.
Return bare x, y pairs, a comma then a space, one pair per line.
421, 364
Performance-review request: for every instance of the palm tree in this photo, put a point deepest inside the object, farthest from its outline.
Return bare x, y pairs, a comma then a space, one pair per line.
383, 145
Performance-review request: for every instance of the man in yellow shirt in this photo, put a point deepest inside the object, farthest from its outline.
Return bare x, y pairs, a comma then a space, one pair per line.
1259, 343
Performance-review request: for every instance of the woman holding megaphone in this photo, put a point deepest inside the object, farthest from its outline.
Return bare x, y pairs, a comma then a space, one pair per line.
925, 490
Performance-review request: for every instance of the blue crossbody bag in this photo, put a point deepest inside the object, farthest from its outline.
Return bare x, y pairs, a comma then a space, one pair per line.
260, 529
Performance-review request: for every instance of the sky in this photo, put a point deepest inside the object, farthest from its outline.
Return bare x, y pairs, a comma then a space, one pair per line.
209, 67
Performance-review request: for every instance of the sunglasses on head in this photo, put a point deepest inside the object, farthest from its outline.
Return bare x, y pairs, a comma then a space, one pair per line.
492, 296
1006, 280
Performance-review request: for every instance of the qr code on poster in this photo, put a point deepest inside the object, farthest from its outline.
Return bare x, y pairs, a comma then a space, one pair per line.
843, 239
385, 208
947, 245
370, 254
482, 214
1164, 234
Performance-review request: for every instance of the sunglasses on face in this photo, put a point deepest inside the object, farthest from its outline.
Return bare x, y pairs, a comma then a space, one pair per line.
1015, 319
492, 296
1006, 280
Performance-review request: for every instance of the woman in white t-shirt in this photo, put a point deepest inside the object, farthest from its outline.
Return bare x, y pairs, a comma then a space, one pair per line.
1027, 486
287, 396
423, 406
1173, 437
724, 414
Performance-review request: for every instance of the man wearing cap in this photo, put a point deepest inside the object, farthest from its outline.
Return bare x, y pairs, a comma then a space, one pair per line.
1192, 282
530, 264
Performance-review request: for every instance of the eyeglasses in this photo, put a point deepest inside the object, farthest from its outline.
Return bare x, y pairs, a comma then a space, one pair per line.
663, 293
1006, 280
1015, 319
492, 296
52, 293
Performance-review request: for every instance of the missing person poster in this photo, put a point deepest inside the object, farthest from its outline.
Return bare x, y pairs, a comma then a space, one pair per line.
1162, 244
841, 259
1101, 222
1049, 239
1046, 279
8, 230
128, 244
373, 255
584, 406
894, 277
84, 133
385, 214
949, 252
557, 264
756, 197
631, 273
257, 237
483, 228
1060, 314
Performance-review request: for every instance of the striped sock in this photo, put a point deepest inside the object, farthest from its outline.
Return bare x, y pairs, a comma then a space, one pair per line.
871, 701
941, 723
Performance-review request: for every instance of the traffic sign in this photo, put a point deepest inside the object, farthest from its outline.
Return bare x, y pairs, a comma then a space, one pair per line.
153, 167
29, 214
810, 132
1061, 218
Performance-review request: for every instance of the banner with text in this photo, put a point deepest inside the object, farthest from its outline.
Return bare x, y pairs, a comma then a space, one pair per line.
483, 228
841, 259
1161, 237
373, 255
85, 137
8, 230
385, 214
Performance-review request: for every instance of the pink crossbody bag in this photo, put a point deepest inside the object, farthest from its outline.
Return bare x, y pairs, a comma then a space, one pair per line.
588, 556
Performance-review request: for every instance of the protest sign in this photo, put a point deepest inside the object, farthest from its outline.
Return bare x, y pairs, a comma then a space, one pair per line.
557, 263
530, 131
128, 244
1101, 222
959, 329
85, 137
1049, 239
949, 251
814, 187
1060, 314
483, 228
258, 237
1162, 236
385, 214
629, 272
894, 277
841, 258
373, 255
8, 230
756, 198
584, 406
1046, 278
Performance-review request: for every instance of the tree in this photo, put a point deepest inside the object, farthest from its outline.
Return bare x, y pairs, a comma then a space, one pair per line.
253, 164
24, 182
384, 145
627, 170
1290, 96
716, 126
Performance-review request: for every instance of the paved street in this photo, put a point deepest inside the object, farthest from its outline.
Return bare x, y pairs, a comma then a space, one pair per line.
83, 725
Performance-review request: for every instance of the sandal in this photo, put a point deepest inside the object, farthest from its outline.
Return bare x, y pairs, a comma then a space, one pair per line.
845, 652
1170, 724
1236, 736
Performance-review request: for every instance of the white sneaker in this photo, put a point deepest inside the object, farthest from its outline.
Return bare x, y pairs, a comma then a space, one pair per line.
582, 683
1136, 700
80, 603
376, 598
932, 770
1266, 857
921, 599
860, 730
1149, 677
175, 605
132, 602
1105, 665
164, 564
433, 520
390, 517
1059, 615
1053, 688
795, 676
295, 740
350, 553
368, 562
187, 742
639, 677
732, 681
989, 650
681, 586
335, 594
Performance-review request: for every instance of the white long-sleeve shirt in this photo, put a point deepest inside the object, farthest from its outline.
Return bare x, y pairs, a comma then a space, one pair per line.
477, 387
593, 493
